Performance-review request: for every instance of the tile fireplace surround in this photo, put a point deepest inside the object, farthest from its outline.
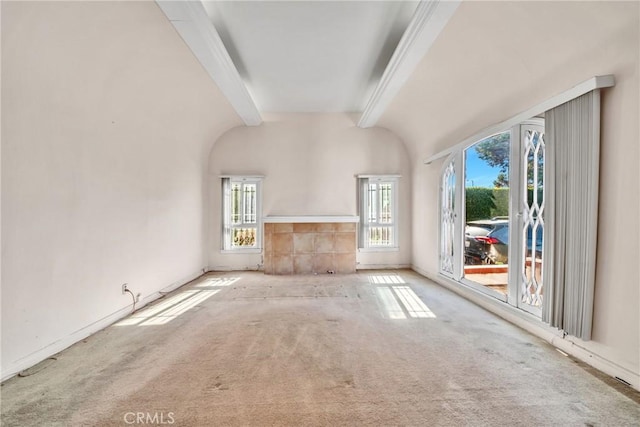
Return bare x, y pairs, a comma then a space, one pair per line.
308, 245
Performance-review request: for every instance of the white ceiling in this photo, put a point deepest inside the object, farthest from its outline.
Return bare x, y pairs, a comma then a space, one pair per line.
310, 56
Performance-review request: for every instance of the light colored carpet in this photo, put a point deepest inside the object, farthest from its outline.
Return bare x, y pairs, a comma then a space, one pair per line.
376, 348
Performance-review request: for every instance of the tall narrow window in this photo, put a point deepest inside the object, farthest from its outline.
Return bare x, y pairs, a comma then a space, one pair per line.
533, 214
241, 213
447, 217
378, 212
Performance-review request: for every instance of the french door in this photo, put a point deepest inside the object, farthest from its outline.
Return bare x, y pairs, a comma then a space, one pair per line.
450, 218
517, 259
527, 250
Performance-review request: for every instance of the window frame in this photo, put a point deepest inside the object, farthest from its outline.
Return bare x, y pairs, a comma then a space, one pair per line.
456, 229
457, 156
365, 225
510, 298
228, 226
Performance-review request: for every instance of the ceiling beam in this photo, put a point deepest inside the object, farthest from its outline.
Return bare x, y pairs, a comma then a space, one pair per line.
428, 21
194, 26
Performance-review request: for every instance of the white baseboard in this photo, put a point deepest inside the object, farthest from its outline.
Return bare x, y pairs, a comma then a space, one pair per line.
226, 268
175, 285
82, 333
382, 266
535, 326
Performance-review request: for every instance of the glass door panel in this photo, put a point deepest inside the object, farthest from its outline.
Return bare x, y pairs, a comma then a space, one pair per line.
532, 208
448, 218
486, 213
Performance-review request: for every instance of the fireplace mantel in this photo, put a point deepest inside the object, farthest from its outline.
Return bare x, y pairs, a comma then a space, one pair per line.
302, 219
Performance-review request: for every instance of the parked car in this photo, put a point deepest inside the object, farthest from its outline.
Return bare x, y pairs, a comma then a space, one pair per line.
487, 242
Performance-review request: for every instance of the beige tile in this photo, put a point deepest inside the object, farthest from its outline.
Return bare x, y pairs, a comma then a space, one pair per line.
285, 227
346, 226
283, 264
345, 242
345, 263
267, 264
324, 243
268, 228
303, 264
326, 227
322, 263
282, 243
303, 243
304, 227
268, 243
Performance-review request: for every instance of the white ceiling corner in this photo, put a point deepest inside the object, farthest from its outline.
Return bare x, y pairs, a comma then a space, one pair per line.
192, 23
309, 56
428, 21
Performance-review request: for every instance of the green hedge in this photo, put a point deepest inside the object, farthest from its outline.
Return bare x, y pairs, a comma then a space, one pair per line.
485, 203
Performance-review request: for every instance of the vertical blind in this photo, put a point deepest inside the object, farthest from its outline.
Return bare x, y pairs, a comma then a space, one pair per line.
570, 236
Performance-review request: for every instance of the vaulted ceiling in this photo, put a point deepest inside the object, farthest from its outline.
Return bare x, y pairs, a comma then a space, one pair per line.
309, 56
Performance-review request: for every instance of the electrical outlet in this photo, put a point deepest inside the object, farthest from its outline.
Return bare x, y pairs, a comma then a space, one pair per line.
124, 288
138, 295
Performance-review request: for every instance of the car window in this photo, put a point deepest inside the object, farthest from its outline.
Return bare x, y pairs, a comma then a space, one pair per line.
501, 234
538, 238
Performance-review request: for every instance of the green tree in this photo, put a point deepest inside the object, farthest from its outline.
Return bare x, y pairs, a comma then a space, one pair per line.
495, 151
502, 180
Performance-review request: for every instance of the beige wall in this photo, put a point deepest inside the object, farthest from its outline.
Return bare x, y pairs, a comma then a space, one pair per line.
107, 120
495, 60
309, 162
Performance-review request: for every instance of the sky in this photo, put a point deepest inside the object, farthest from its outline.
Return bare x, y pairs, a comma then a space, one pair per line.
479, 173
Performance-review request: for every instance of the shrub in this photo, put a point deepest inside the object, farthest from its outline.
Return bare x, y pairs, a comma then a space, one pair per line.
479, 203
485, 203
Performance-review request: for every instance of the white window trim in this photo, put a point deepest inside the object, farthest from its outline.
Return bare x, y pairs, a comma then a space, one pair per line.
379, 249
226, 212
362, 203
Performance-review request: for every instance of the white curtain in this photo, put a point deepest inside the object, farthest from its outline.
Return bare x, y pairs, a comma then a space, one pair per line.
570, 235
